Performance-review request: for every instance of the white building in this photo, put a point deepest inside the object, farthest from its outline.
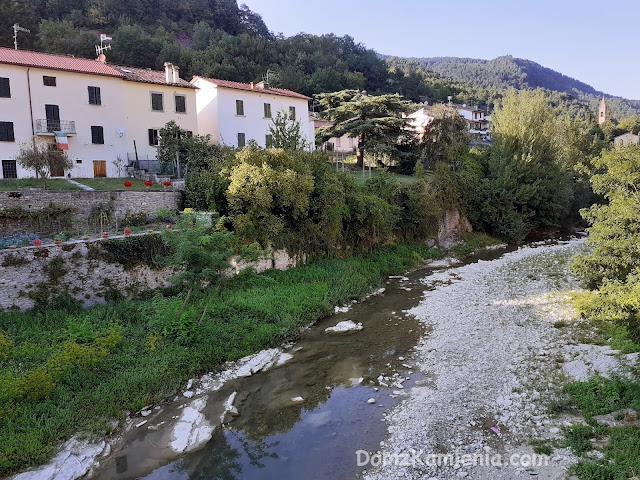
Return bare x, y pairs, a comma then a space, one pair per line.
107, 112
234, 113
344, 144
478, 121
626, 139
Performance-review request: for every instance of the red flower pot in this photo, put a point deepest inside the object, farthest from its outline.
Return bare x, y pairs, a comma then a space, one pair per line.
170, 227
12, 247
37, 242
127, 232
58, 242
105, 234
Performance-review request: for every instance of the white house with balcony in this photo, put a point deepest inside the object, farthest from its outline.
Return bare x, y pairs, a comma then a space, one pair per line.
106, 112
234, 113
478, 121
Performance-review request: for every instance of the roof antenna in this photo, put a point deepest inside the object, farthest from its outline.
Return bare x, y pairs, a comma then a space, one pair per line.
17, 28
103, 48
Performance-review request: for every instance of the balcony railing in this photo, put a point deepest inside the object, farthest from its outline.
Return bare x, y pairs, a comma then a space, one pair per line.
47, 127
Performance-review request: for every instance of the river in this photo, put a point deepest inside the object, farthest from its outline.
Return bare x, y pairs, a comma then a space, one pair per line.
307, 417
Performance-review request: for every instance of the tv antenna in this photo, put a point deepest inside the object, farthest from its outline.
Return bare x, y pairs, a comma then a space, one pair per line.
103, 48
17, 28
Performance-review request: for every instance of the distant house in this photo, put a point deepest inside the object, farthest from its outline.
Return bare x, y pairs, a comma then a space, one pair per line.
343, 144
234, 113
101, 111
626, 139
478, 121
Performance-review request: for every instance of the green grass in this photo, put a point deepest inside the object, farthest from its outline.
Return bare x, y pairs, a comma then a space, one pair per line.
116, 184
64, 371
473, 241
601, 396
8, 185
358, 178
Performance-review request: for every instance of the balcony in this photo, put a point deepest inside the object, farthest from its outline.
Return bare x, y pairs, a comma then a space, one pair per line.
47, 127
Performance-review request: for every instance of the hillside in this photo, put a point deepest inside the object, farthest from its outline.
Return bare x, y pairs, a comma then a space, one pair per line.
509, 72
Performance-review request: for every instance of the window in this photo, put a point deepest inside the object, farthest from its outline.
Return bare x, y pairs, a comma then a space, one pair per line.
154, 137
49, 81
268, 141
241, 140
5, 88
9, 169
94, 96
97, 135
6, 132
240, 108
292, 113
267, 110
181, 104
157, 102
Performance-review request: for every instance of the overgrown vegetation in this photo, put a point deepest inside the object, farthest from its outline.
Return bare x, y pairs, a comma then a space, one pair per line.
64, 371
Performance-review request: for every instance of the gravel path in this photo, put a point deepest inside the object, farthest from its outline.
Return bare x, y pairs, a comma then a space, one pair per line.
490, 365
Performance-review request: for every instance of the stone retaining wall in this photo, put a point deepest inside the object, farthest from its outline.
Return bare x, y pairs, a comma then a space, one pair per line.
35, 199
79, 269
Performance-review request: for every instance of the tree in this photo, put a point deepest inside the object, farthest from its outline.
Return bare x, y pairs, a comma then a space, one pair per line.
612, 266
178, 145
446, 138
375, 120
63, 38
37, 155
286, 133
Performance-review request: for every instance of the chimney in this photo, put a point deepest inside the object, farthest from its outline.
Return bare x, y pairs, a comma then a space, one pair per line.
102, 58
253, 86
176, 74
168, 72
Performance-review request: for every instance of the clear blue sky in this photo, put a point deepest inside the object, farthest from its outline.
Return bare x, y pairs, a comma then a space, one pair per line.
595, 41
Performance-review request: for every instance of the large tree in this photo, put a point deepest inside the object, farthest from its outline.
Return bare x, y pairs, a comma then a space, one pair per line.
375, 120
445, 138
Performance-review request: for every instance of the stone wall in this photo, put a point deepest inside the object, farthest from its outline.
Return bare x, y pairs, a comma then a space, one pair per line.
79, 268
35, 199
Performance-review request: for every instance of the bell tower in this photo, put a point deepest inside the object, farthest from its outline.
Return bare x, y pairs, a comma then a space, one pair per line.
603, 112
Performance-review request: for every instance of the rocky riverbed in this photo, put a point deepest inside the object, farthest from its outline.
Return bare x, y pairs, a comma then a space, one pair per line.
500, 348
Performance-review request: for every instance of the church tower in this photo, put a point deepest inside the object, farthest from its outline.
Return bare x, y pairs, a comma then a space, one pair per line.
602, 111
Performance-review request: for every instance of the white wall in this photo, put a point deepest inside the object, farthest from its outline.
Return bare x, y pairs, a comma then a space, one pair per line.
217, 113
124, 105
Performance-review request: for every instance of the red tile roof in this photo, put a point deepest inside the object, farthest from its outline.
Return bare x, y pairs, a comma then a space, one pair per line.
149, 76
257, 87
27, 58
50, 61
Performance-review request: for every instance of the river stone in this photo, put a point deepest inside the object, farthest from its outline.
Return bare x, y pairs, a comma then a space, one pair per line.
343, 327
192, 429
73, 461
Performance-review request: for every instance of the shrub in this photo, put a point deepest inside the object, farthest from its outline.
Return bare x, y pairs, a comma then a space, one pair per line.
135, 219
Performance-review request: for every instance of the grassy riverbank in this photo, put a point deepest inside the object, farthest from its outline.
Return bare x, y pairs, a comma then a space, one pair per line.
63, 372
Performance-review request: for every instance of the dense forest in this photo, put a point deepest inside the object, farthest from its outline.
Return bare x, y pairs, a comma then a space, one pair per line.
508, 72
219, 38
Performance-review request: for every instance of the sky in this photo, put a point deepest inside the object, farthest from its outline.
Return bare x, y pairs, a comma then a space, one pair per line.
593, 41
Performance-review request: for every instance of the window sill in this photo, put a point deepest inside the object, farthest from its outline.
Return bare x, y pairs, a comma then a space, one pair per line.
242, 116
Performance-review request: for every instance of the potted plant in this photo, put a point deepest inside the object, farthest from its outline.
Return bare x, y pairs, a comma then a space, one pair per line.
57, 240
85, 237
127, 231
105, 234
170, 227
149, 184
127, 184
13, 247
166, 184
37, 242
149, 231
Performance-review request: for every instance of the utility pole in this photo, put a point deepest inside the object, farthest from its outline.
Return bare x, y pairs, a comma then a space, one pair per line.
17, 28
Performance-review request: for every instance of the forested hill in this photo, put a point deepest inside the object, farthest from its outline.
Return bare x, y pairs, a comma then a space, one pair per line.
506, 72
221, 39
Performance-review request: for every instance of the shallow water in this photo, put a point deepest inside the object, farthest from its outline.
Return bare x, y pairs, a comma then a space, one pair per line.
275, 438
